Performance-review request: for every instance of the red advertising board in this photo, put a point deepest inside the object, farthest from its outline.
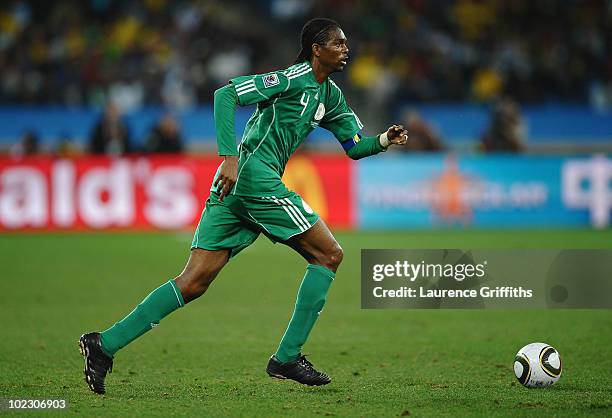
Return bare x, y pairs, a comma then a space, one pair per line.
325, 182
160, 192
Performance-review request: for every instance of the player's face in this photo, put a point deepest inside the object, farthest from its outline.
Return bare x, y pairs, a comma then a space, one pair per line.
334, 53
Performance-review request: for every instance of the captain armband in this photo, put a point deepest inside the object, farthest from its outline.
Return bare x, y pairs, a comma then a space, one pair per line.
359, 147
350, 143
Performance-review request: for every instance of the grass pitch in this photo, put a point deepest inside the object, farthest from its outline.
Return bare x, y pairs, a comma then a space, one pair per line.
208, 359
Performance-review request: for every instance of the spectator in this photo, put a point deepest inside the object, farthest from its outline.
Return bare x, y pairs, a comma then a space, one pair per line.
506, 129
110, 135
66, 147
143, 53
165, 137
27, 145
421, 136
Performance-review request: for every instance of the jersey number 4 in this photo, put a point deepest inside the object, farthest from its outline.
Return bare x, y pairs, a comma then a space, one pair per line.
304, 102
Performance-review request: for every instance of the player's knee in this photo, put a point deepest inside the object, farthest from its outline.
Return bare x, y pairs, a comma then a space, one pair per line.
193, 286
194, 282
332, 258
337, 255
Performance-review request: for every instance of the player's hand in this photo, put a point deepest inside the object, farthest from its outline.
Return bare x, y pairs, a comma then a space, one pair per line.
227, 176
397, 135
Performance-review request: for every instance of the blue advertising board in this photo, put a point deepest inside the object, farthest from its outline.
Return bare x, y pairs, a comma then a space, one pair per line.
456, 123
426, 191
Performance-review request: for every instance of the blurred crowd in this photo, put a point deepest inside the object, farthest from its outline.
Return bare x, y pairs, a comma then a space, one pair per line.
175, 53
109, 136
122, 55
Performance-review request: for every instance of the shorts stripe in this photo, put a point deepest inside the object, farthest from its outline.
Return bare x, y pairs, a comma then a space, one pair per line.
296, 220
291, 215
298, 212
297, 216
300, 217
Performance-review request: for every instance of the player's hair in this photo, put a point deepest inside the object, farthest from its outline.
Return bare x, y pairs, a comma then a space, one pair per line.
315, 31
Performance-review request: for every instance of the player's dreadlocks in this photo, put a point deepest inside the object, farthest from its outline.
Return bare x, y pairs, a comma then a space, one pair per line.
315, 31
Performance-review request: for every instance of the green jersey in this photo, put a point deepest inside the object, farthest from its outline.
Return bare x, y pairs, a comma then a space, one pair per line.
290, 104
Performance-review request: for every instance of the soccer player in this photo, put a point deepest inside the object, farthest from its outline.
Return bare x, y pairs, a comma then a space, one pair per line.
248, 198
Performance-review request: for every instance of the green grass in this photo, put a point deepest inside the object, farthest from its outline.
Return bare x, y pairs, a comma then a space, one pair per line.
209, 358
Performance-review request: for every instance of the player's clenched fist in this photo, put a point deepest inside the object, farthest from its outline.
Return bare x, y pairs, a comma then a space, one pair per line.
397, 135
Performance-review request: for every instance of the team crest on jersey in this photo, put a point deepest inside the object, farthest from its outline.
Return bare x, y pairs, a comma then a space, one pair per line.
320, 112
270, 80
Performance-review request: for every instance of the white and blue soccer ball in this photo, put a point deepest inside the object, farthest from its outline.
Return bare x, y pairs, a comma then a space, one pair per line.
537, 365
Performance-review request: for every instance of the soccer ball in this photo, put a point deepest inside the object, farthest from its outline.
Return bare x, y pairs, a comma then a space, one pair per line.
537, 365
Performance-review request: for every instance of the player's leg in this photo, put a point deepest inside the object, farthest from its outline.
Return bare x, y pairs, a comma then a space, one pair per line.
318, 246
100, 348
290, 220
323, 254
220, 235
201, 269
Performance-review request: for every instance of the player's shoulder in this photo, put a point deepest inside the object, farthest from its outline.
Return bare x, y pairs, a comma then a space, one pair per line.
298, 70
291, 76
291, 72
297, 75
334, 93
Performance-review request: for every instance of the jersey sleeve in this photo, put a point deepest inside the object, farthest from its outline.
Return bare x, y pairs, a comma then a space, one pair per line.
340, 119
253, 89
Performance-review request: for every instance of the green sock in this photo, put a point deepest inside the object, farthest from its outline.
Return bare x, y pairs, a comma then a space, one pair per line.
160, 302
310, 301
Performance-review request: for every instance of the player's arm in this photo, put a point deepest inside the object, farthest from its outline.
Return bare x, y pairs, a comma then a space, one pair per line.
243, 91
346, 127
225, 114
360, 147
259, 88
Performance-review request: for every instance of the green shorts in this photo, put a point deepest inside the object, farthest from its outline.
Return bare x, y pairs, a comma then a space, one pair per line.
236, 222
